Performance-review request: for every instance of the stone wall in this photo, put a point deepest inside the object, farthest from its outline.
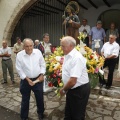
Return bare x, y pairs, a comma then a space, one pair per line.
10, 13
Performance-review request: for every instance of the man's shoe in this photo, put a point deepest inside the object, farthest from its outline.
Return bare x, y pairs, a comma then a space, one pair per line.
13, 82
40, 117
24, 119
101, 85
107, 87
5, 82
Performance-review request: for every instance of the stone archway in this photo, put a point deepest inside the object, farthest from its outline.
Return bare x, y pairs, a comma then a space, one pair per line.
15, 17
109, 16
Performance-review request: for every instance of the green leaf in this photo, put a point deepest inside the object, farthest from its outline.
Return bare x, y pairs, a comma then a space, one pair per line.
94, 79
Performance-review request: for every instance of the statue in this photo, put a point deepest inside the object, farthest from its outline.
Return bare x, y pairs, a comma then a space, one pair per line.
71, 22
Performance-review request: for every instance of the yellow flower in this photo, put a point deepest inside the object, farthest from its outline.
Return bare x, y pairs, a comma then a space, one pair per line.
60, 84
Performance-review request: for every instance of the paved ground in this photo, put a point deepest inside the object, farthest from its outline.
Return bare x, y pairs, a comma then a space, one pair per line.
99, 107
6, 114
103, 104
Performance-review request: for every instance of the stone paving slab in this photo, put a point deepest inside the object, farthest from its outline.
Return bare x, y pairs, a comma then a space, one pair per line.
99, 107
102, 105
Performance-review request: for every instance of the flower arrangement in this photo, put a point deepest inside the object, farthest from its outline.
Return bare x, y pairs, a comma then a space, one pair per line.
82, 36
54, 67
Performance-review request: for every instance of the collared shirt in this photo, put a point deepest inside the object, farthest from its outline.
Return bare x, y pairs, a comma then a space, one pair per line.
18, 47
110, 49
4, 50
75, 66
97, 33
30, 65
47, 47
87, 28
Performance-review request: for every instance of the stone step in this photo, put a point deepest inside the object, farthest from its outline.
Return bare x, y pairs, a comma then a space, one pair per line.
113, 92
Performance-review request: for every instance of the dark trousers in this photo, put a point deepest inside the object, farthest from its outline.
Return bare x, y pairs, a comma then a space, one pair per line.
110, 63
25, 90
86, 41
76, 101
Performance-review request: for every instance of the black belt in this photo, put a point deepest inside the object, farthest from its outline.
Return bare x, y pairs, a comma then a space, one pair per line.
6, 59
79, 86
33, 79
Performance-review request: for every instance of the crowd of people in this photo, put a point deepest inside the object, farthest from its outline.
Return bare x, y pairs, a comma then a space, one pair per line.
30, 65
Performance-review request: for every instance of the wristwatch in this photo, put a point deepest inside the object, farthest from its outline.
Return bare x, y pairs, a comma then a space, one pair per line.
64, 91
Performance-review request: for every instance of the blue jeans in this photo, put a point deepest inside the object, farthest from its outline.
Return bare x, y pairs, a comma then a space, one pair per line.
25, 90
99, 49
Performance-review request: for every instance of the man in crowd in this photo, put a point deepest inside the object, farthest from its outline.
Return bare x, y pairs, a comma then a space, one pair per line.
36, 43
110, 51
18, 46
5, 54
30, 66
45, 45
76, 81
85, 29
97, 35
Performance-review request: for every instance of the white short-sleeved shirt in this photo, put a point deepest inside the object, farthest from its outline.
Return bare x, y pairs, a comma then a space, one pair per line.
110, 49
4, 50
30, 65
75, 66
87, 28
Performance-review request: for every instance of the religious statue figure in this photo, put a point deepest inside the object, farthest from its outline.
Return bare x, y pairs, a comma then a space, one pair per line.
71, 22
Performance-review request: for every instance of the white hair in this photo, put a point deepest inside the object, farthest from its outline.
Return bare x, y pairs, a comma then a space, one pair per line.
69, 40
27, 39
37, 41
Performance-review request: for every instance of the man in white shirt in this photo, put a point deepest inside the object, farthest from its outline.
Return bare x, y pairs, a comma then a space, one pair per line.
30, 66
76, 81
5, 54
110, 51
85, 29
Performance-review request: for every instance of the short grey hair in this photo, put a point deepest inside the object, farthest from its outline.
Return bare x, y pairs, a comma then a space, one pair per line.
70, 40
27, 39
37, 41
114, 35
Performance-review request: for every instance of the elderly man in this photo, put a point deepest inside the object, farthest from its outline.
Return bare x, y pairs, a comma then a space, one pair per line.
85, 29
36, 44
18, 46
97, 35
110, 51
76, 81
5, 53
30, 66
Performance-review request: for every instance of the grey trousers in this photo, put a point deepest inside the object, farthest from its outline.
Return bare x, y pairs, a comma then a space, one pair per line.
7, 64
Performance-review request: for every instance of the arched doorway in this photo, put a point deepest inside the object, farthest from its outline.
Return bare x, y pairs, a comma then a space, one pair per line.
44, 16
109, 16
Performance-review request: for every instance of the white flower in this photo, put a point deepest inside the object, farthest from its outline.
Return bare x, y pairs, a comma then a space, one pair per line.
58, 58
101, 72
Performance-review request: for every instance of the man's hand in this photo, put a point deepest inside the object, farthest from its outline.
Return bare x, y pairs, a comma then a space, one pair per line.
6, 53
62, 92
70, 21
31, 82
41, 78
